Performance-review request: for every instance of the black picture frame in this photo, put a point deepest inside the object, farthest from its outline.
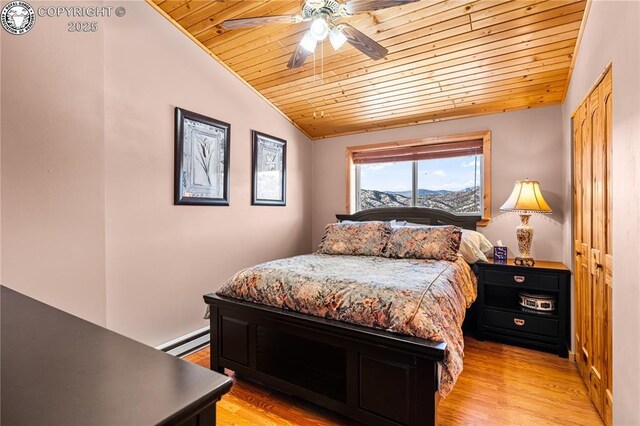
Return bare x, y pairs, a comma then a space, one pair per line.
187, 189
261, 140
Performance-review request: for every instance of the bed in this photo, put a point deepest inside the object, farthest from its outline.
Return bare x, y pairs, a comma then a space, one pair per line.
357, 364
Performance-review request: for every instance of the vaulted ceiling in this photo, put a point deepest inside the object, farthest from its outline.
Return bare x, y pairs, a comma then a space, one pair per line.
447, 59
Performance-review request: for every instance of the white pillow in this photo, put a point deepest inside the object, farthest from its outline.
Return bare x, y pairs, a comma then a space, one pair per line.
473, 246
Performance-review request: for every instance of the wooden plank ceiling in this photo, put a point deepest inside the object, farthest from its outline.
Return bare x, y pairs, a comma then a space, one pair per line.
447, 59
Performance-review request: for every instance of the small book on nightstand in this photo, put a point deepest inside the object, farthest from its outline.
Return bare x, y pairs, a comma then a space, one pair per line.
525, 305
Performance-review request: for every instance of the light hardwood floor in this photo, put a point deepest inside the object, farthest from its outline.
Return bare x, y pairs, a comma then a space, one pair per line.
500, 385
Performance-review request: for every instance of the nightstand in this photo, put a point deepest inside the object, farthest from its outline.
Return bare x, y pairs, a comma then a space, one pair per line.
500, 316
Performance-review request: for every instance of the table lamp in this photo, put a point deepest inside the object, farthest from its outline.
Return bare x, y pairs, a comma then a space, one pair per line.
525, 199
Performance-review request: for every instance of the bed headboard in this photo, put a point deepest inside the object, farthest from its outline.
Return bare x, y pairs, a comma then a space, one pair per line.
421, 215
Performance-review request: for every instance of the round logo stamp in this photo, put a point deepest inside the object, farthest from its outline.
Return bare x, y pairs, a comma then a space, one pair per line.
17, 17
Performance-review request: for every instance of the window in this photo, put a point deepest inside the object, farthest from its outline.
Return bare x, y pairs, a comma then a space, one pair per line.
384, 185
451, 174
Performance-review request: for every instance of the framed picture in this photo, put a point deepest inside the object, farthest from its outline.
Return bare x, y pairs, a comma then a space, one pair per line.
269, 186
202, 160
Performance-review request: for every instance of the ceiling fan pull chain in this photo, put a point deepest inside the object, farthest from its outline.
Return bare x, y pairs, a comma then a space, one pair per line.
322, 72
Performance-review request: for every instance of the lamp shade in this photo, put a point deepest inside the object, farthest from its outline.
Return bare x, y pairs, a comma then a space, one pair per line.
527, 198
336, 38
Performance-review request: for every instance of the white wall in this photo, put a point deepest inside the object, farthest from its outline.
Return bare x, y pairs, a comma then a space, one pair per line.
88, 221
525, 144
612, 34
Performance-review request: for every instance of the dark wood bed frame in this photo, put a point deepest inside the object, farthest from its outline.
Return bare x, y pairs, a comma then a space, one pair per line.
372, 376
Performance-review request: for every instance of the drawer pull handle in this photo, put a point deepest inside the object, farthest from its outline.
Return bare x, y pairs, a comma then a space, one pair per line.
518, 278
519, 322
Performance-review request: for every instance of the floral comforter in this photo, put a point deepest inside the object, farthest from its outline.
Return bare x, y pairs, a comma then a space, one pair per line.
422, 298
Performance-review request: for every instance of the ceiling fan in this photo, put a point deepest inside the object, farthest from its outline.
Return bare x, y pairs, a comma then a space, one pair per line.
322, 14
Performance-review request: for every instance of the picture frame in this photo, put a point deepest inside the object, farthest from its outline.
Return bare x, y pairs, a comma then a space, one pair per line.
202, 155
269, 170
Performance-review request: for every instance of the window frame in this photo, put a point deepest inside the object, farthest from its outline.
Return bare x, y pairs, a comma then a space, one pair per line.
352, 175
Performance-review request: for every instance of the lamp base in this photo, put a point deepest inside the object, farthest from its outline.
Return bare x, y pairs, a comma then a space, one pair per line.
524, 234
524, 261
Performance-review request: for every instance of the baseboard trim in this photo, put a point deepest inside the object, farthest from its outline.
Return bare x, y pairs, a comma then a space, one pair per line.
187, 343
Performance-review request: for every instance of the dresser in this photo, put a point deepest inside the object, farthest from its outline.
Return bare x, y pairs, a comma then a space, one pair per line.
501, 317
58, 369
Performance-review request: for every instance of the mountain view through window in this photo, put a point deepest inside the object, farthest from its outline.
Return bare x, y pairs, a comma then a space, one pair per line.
453, 184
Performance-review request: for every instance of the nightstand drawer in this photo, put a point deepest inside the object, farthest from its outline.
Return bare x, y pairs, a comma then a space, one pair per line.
525, 279
521, 322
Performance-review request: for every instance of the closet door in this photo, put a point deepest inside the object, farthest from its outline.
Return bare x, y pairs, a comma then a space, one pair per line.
583, 244
582, 354
577, 235
598, 221
607, 120
593, 261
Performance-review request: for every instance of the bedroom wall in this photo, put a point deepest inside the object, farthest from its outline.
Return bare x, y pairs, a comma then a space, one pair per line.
52, 241
611, 36
525, 144
161, 258
88, 218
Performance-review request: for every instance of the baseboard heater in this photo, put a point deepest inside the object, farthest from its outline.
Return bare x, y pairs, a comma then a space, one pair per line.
186, 344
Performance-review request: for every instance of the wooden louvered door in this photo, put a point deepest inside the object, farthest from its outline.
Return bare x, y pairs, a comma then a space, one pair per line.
592, 242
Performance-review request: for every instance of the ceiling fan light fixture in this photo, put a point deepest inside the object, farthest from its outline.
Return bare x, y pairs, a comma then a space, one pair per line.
315, 4
336, 38
309, 42
319, 29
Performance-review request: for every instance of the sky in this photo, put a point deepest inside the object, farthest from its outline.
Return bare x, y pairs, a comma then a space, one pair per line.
452, 174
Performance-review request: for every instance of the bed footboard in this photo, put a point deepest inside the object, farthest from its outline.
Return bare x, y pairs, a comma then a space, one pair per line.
372, 376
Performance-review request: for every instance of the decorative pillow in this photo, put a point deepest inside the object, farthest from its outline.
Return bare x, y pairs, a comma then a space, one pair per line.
474, 246
360, 238
424, 242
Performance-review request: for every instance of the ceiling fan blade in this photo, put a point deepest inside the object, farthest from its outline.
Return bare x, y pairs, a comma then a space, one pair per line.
298, 57
232, 24
362, 42
359, 6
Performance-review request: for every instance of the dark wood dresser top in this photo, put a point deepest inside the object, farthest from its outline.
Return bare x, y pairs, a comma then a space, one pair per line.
59, 369
540, 264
